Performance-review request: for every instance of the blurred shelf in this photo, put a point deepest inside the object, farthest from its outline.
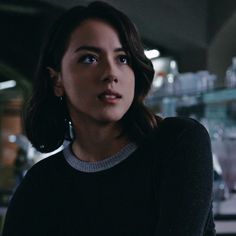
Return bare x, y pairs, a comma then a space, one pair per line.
225, 220
211, 96
218, 96
225, 228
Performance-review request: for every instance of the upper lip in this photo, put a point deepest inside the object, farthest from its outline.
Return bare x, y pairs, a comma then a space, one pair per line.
110, 92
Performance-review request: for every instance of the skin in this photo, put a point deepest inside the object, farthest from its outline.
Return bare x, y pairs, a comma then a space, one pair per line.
98, 84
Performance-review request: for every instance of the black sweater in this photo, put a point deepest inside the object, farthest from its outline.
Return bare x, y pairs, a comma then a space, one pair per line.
164, 188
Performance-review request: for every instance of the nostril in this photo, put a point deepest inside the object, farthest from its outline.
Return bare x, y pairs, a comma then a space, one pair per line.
111, 78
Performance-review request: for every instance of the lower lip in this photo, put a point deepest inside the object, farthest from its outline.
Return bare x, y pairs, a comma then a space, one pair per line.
110, 100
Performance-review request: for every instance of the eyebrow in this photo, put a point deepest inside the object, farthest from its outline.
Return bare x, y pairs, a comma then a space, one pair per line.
97, 49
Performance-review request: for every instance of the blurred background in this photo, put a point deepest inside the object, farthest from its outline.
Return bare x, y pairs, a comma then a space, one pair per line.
192, 46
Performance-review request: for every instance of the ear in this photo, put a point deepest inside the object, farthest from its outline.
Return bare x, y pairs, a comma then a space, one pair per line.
57, 82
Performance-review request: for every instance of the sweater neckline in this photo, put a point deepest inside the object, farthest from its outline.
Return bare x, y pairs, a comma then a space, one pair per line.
97, 166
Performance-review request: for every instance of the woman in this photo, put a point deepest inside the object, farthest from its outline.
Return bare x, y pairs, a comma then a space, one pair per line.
125, 171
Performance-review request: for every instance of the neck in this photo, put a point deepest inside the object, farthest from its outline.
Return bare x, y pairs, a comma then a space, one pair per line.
94, 142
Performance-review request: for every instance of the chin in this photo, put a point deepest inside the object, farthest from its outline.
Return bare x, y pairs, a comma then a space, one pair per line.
111, 118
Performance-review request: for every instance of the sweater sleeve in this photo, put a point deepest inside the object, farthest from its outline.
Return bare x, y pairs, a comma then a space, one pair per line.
22, 211
185, 185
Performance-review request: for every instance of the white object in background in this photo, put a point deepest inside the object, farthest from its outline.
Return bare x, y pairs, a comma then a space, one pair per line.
150, 54
7, 84
230, 76
216, 164
188, 82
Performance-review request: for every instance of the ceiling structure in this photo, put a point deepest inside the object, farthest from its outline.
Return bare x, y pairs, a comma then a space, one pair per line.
182, 29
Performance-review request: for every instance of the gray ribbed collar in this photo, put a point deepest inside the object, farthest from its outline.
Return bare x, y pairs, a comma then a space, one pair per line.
99, 165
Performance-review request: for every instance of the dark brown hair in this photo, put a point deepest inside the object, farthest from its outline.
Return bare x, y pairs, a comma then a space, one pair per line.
46, 120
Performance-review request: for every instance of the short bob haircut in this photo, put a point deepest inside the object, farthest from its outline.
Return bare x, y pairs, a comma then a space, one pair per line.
46, 117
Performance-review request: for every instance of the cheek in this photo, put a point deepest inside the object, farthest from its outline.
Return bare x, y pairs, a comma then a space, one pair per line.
130, 88
131, 83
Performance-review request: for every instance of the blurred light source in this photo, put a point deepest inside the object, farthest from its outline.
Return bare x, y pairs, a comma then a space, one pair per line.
173, 64
152, 53
12, 138
7, 84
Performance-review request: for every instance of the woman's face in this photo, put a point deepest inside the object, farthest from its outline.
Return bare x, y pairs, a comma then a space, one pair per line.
95, 75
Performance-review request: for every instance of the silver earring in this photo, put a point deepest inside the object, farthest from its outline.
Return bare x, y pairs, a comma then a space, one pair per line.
71, 132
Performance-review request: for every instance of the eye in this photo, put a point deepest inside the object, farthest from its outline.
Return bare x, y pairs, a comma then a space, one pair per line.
88, 59
124, 59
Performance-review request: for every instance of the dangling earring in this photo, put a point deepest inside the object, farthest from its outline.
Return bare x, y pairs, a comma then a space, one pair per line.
71, 130
69, 135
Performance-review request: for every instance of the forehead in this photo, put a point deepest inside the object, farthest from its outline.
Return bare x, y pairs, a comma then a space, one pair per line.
95, 31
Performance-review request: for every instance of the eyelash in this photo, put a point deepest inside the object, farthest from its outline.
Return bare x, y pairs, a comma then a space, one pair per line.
121, 57
91, 59
84, 58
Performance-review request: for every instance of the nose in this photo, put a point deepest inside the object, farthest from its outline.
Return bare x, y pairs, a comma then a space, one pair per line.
110, 72
110, 78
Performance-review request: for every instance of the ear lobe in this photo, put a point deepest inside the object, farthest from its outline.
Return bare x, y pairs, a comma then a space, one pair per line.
57, 82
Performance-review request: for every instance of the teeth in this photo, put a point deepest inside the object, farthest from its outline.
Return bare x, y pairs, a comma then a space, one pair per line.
110, 96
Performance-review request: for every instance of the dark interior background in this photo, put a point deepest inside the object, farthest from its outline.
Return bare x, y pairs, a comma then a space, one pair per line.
199, 34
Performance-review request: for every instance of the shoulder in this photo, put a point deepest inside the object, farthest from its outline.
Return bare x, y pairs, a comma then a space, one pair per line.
47, 166
171, 128
176, 133
180, 123
177, 127
55, 159
185, 139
